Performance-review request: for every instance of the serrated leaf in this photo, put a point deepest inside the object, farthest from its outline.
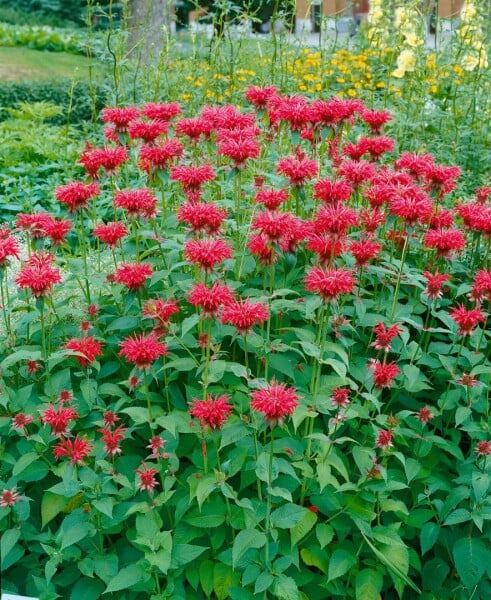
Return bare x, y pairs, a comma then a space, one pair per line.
206, 576
324, 534
7, 543
223, 579
315, 557
460, 515
23, 462
287, 516
51, 505
428, 536
368, 585
262, 468
247, 538
105, 506
263, 582
285, 588
126, 578
185, 553
233, 433
87, 589
471, 557
301, 529
340, 563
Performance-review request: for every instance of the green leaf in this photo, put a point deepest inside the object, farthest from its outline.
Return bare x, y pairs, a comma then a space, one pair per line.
206, 576
262, 468
247, 538
233, 433
185, 553
415, 381
287, 516
87, 589
480, 485
51, 505
16, 357
181, 364
460, 515
223, 579
126, 578
8, 541
206, 521
340, 563
280, 493
162, 558
324, 534
285, 588
428, 536
368, 584
315, 557
471, 557
301, 529
124, 324
73, 529
23, 462
105, 506
188, 324
106, 567
263, 582
138, 414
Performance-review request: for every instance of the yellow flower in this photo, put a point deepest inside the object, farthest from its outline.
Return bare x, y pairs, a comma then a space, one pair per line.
399, 73
470, 62
406, 61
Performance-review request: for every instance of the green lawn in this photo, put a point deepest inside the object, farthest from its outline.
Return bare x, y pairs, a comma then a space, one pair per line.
23, 63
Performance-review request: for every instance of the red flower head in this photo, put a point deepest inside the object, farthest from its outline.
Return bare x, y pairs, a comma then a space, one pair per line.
260, 245
425, 415
204, 217
260, 96
194, 128
415, 164
293, 109
109, 159
238, 147
38, 274
326, 246
356, 172
372, 219
244, 314
137, 203
110, 418
364, 251
340, 397
441, 178
156, 444
476, 217
112, 439
332, 112
227, 117
384, 336
148, 131
210, 300
445, 241
383, 373
483, 193
334, 219
483, 448
332, 192
35, 224
57, 230
110, 233
76, 194
376, 119
133, 275
192, 178
21, 421
211, 412
297, 168
161, 112
76, 450
120, 117
467, 320
59, 419
411, 204
376, 146
434, 284
9, 247
9, 497
481, 288
142, 350
161, 155
273, 224
88, 346
146, 478
329, 283
271, 198
441, 219
160, 310
275, 402
384, 439
207, 252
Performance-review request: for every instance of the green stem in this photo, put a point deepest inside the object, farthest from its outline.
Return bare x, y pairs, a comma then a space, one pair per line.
82, 238
268, 510
399, 276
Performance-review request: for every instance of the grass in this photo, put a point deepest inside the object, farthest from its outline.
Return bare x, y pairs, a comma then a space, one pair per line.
17, 64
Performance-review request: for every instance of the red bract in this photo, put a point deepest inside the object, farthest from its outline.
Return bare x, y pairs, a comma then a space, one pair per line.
441, 219
137, 203
192, 178
481, 288
334, 219
194, 128
273, 224
332, 191
415, 164
332, 112
384, 439
35, 224
59, 419
445, 241
297, 168
110, 418
120, 117
57, 230
112, 439
261, 246
212, 412
329, 283
109, 159
441, 178
293, 109
148, 131
160, 310
271, 198
160, 155
383, 373
146, 478
275, 402
483, 448
425, 415
210, 299
364, 251
483, 193
9, 247
9, 497
21, 421
202, 216
88, 346
133, 275
326, 246
244, 314
239, 149
340, 397
38, 274
434, 284
411, 204
259, 96
76, 194
356, 172
467, 320
207, 252
110, 233
76, 450
384, 336
142, 350
376, 119
161, 111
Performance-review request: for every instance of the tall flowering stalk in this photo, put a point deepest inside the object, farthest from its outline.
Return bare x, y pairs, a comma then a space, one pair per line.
378, 24
472, 37
410, 24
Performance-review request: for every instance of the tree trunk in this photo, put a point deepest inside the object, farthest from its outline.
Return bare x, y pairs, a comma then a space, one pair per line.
148, 23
